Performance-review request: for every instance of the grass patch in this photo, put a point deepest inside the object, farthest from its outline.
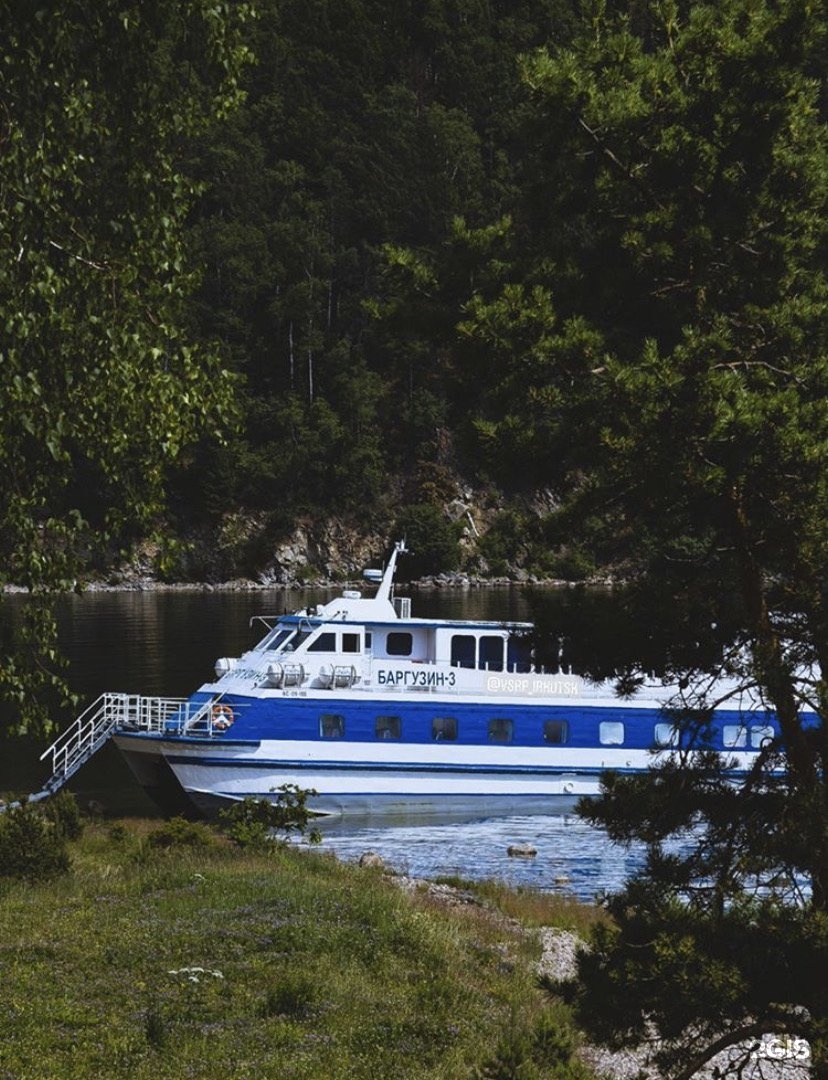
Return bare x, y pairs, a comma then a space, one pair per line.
533, 907
175, 958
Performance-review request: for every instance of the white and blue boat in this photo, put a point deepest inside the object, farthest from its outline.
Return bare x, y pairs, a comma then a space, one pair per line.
380, 712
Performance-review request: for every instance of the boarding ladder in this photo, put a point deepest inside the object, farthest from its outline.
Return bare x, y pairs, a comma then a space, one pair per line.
112, 713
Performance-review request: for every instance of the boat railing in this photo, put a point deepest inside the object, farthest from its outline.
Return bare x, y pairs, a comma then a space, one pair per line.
109, 713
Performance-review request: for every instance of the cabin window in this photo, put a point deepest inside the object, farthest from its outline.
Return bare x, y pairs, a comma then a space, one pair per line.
491, 653
611, 733
368, 639
443, 728
734, 736
462, 650
350, 642
518, 654
761, 736
324, 643
332, 726
555, 732
388, 727
666, 735
500, 730
399, 644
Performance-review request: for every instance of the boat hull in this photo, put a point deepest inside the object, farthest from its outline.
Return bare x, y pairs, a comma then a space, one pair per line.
369, 781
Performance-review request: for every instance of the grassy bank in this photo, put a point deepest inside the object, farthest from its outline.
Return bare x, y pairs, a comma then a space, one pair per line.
206, 961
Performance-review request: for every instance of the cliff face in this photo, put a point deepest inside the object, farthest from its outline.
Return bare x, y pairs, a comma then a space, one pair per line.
470, 537
331, 550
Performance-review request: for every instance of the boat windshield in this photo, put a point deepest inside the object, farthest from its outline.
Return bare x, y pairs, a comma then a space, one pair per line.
276, 639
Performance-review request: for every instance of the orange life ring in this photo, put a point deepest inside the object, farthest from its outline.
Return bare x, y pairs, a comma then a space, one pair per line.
221, 717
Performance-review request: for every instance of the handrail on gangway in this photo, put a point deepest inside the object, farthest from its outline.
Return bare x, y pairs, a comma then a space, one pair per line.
111, 713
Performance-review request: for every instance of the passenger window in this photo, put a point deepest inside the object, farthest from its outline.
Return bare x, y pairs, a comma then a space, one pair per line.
462, 650
491, 653
666, 735
611, 733
388, 727
761, 736
332, 726
443, 728
555, 732
324, 643
734, 736
500, 730
518, 654
398, 644
350, 642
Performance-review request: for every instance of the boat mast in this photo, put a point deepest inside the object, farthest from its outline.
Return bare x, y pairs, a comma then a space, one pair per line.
387, 583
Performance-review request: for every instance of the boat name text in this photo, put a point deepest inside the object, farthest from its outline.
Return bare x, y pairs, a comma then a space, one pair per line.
415, 678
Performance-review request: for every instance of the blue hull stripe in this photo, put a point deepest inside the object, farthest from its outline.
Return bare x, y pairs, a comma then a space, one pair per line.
409, 768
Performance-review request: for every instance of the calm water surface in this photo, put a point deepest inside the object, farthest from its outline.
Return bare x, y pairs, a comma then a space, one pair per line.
166, 644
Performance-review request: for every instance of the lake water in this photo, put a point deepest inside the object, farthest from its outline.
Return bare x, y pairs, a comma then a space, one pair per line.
166, 644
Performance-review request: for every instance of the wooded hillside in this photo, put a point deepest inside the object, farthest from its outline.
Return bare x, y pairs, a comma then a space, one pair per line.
374, 140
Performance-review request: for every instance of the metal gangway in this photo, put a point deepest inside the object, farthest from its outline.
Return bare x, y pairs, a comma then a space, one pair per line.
112, 713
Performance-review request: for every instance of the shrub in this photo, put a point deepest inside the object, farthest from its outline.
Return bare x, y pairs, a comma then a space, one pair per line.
530, 1051
64, 813
257, 823
32, 847
178, 832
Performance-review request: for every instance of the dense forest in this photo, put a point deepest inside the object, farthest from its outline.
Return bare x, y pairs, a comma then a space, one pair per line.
374, 141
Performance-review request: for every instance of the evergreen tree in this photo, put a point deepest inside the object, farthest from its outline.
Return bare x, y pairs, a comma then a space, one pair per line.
665, 313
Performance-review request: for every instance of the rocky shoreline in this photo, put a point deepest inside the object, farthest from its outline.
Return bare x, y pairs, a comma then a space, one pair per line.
431, 582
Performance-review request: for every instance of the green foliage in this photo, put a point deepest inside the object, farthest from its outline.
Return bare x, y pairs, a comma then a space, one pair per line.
532, 1051
178, 832
714, 936
504, 540
366, 132
260, 823
101, 387
64, 813
32, 846
659, 334
431, 539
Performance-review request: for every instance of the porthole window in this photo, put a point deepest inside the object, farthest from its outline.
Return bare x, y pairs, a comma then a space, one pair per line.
611, 733
555, 732
734, 736
501, 730
388, 727
666, 735
444, 728
398, 644
332, 726
350, 642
